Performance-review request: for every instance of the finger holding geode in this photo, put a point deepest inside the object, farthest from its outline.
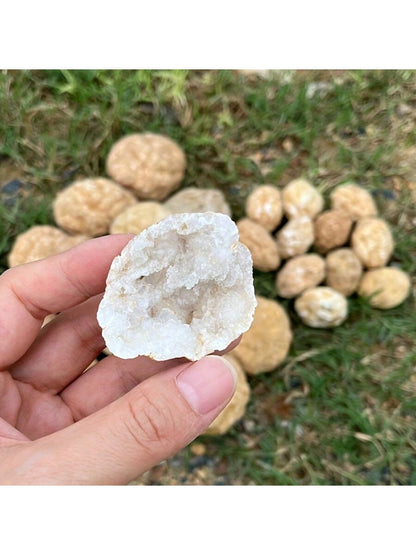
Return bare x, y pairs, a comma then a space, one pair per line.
182, 288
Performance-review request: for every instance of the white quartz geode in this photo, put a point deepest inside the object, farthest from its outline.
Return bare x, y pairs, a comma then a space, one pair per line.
181, 288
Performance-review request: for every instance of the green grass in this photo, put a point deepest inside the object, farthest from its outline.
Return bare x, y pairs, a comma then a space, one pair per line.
341, 409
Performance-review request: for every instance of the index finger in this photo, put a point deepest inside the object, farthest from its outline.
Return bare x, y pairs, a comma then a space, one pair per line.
30, 292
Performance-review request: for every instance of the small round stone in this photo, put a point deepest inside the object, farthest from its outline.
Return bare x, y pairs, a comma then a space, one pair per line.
295, 237
343, 271
235, 409
332, 229
264, 206
39, 242
138, 217
152, 165
266, 344
354, 200
301, 198
260, 243
322, 307
372, 242
385, 287
300, 273
192, 199
89, 206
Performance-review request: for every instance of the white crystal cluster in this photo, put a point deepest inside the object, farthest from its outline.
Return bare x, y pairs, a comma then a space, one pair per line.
182, 288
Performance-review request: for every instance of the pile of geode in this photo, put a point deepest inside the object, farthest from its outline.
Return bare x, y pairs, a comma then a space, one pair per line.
346, 248
320, 257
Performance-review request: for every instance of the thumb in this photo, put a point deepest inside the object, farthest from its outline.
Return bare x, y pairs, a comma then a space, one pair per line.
147, 425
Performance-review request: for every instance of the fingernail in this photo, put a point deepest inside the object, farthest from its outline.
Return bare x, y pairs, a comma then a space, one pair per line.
207, 383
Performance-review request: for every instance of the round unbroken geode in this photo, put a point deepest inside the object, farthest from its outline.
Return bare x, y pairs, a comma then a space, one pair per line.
182, 288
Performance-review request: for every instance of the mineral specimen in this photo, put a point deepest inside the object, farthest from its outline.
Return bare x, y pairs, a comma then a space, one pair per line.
152, 165
322, 307
182, 288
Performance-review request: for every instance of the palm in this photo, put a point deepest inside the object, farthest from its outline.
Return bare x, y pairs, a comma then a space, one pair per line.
35, 413
48, 389
43, 386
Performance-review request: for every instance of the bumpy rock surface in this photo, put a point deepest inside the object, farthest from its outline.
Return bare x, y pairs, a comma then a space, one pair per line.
236, 407
300, 198
138, 217
90, 205
322, 307
385, 287
332, 229
372, 242
266, 344
295, 237
343, 271
264, 206
261, 244
299, 273
40, 242
182, 288
353, 199
151, 164
192, 199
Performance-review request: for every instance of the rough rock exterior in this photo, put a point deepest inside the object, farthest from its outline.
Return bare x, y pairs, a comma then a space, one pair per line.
266, 344
264, 206
192, 199
372, 242
385, 287
300, 273
40, 242
90, 205
261, 244
353, 199
343, 271
138, 217
322, 307
332, 229
151, 164
295, 237
182, 288
300, 198
236, 407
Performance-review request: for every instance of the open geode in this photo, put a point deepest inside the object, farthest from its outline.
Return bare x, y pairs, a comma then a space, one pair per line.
181, 288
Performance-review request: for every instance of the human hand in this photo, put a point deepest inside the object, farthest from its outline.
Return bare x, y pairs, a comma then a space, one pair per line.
62, 425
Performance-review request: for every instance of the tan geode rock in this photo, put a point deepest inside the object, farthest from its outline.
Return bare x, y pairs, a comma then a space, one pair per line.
385, 287
300, 273
301, 198
343, 271
372, 242
332, 229
260, 243
151, 164
266, 344
264, 206
353, 199
90, 205
40, 242
236, 407
295, 237
138, 217
322, 307
192, 199
48, 319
